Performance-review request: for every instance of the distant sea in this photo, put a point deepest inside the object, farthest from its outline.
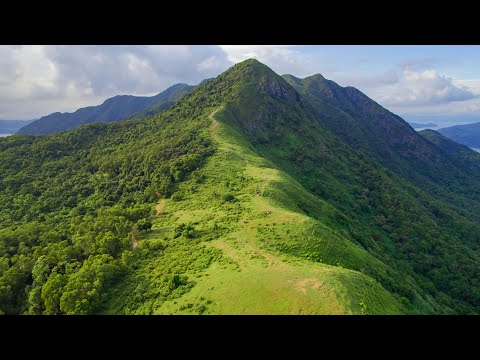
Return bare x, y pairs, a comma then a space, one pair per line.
3, 135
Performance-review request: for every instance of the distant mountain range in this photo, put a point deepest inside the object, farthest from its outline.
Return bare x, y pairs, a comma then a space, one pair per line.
442, 121
12, 126
468, 134
168, 98
117, 108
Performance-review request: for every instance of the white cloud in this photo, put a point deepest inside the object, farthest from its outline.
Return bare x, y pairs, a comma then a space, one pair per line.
38, 80
210, 64
237, 53
135, 69
420, 88
283, 59
472, 84
25, 72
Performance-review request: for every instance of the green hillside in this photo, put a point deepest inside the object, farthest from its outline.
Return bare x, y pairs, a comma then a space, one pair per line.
239, 199
383, 136
235, 267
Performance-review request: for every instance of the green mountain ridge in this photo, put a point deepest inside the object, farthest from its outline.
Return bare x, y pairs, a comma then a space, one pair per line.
248, 196
390, 140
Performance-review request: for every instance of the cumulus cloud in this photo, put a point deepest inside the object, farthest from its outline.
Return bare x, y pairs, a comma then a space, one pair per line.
7, 64
419, 88
283, 59
419, 63
472, 84
37, 80
24, 73
134, 69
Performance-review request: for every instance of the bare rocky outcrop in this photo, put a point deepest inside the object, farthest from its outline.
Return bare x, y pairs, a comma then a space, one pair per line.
276, 88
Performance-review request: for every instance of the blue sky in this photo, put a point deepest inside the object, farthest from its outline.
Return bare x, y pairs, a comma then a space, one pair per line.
462, 60
408, 80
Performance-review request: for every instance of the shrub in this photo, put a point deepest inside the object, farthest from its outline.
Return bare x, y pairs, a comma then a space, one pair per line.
228, 198
177, 197
186, 230
144, 225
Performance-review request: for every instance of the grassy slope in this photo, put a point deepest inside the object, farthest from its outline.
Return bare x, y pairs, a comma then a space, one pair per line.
250, 277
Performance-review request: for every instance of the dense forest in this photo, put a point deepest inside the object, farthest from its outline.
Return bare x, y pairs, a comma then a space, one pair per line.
251, 179
71, 202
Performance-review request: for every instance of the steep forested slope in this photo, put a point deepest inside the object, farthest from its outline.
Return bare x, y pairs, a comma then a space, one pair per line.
385, 137
70, 203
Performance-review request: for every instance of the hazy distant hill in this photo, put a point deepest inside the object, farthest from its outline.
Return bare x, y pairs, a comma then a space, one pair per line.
442, 121
12, 126
116, 108
169, 97
468, 134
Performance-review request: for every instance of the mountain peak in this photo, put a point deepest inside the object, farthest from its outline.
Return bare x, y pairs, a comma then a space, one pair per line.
318, 77
251, 66
250, 62
255, 75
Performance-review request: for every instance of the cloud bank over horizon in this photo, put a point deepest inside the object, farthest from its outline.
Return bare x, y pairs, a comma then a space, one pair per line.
38, 80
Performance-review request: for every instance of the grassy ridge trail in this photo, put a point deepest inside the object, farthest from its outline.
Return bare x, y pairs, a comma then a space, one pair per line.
252, 278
